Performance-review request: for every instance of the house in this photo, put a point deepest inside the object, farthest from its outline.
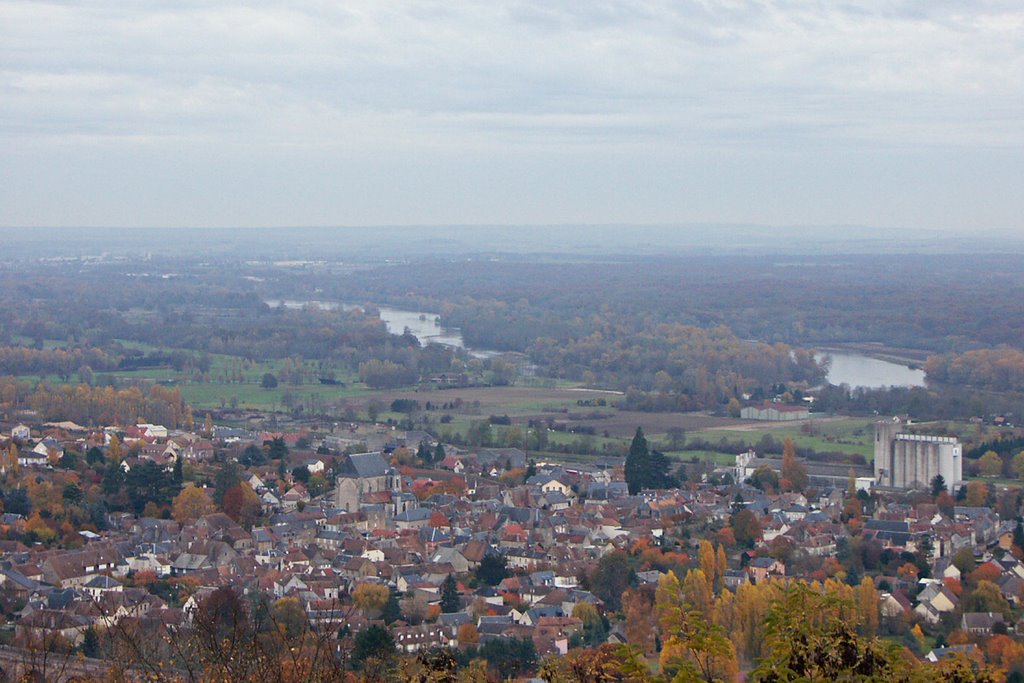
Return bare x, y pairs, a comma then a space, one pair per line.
894, 605
969, 651
982, 623
760, 568
37, 627
98, 585
501, 459
450, 556
76, 568
553, 481
934, 600
422, 637
551, 634
33, 458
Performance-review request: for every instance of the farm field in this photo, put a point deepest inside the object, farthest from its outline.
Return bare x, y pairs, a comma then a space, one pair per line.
842, 434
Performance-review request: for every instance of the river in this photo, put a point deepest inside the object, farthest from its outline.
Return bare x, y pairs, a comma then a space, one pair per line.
858, 370
854, 369
424, 326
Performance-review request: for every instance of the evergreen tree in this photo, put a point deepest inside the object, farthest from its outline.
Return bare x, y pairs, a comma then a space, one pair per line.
374, 642
647, 469
94, 456
91, 643
227, 477
439, 453
492, 569
252, 456
657, 472
278, 449
450, 596
636, 462
938, 485
392, 610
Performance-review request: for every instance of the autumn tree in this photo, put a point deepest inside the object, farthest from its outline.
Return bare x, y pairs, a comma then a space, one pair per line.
693, 649
640, 623
371, 598
241, 504
977, 494
594, 630
808, 640
990, 464
12, 464
468, 634
750, 611
114, 449
191, 504
721, 565
793, 474
706, 561
1018, 465
290, 618
986, 597
867, 606
745, 527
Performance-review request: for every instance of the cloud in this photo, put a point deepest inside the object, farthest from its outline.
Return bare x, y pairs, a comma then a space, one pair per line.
636, 78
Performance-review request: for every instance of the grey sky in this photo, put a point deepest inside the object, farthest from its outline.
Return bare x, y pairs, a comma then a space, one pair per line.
312, 112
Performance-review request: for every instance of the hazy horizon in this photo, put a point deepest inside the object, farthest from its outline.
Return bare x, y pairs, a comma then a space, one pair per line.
560, 241
441, 113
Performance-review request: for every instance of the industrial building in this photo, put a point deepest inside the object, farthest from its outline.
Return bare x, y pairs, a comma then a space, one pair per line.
912, 461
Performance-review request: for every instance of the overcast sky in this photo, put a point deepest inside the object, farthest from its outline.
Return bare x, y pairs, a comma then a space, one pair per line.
352, 112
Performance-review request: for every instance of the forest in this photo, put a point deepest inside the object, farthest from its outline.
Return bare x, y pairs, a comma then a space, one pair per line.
674, 334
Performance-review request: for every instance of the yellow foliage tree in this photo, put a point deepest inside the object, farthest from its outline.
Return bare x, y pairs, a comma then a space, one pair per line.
13, 466
721, 565
918, 635
698, 593
977, 493
37, 525
191, 504
706, 561
371, 598
114, 449
990, 464
694, 649
867, 604
1018, 465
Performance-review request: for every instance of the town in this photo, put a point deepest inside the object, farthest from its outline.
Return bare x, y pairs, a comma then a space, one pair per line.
382, 544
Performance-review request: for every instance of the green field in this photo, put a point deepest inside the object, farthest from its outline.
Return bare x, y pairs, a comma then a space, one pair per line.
853, 436
232, 382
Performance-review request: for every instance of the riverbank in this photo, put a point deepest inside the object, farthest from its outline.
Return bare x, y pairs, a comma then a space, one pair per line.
914, 358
